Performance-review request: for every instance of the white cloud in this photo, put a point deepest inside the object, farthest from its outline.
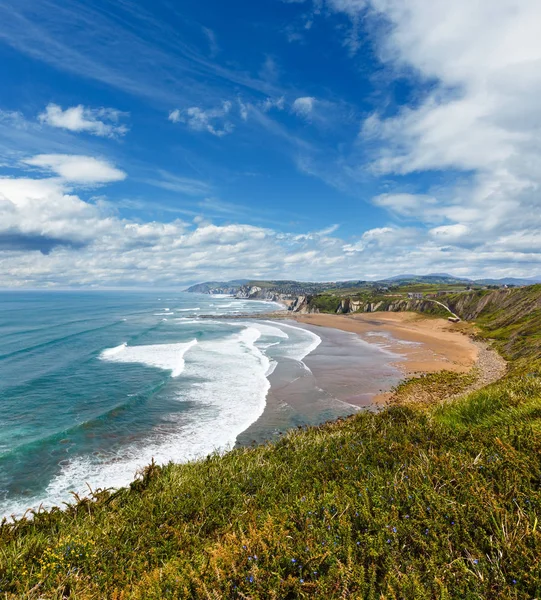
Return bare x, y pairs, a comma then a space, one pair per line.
77, 169
407, 205
269, 71
198, 119
475, 123
51, 236
181, 185
477, 127
351, 7
451, 234
483, 117
213, 43
243, 109
270, 103
96, 121
303, 107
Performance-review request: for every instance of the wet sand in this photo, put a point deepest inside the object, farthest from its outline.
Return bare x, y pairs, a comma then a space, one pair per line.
340, 377
361, 358
427, 344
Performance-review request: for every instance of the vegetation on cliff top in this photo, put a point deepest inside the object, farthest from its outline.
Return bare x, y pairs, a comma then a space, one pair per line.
413, 502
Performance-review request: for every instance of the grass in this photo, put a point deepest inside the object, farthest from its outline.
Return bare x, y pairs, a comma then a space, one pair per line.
431, 388
439, 500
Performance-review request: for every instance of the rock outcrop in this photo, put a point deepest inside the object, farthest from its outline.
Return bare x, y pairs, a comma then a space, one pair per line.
517, 302
249, 292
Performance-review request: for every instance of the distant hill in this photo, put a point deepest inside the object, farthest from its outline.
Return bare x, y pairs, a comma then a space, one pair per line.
432, 278
509, 281
279, 286
445, 278
208, 286
310, 287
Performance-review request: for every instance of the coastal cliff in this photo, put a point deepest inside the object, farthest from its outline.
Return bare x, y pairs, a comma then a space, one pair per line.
467, 305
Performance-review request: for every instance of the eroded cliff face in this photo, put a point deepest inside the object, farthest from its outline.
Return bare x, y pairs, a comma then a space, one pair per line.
254, 292
249, 292
300, 305
511, 303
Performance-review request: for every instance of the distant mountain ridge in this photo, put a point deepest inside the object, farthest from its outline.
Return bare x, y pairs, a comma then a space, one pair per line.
307, 287
278, 286
209, 287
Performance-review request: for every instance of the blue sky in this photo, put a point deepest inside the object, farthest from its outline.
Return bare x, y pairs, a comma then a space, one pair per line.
162, 143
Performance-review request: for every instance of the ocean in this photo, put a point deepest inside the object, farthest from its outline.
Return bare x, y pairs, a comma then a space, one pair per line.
94, 385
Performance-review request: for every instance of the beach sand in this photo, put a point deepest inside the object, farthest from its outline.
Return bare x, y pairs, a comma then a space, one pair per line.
360, 359
428, 345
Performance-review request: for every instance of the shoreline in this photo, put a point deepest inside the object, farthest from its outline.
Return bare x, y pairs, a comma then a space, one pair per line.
337, 379
426, 345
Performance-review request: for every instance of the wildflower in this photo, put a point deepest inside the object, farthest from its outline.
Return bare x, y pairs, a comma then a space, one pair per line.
302, 580
475, 561
293, 560
394, 529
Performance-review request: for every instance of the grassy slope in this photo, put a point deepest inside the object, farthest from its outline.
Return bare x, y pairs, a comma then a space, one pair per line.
439, 502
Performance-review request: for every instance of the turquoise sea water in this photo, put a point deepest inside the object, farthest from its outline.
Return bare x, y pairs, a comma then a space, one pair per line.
94, 385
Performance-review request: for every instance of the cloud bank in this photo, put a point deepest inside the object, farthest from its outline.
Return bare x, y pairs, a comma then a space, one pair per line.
103, 122
476, 119
51, 236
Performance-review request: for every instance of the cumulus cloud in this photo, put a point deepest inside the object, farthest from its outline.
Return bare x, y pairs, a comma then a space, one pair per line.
77, 169
214, 121
51, 235
475, 123
303, 107
102, 122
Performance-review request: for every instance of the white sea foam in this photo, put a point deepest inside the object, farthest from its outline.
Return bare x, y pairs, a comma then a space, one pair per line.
169, 357
107, 354
272, 367
227, 394
388, 336
266, 330
308, 342
188, 309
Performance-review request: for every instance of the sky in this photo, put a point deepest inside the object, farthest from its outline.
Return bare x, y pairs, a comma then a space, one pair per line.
161, 143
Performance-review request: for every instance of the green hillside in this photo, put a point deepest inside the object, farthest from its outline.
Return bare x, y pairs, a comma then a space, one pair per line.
414, 502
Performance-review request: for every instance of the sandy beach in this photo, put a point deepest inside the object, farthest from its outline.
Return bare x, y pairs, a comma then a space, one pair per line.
362, 357
427, 344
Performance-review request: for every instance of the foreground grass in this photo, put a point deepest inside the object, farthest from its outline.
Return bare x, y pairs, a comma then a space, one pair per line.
426, 501
403, 504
